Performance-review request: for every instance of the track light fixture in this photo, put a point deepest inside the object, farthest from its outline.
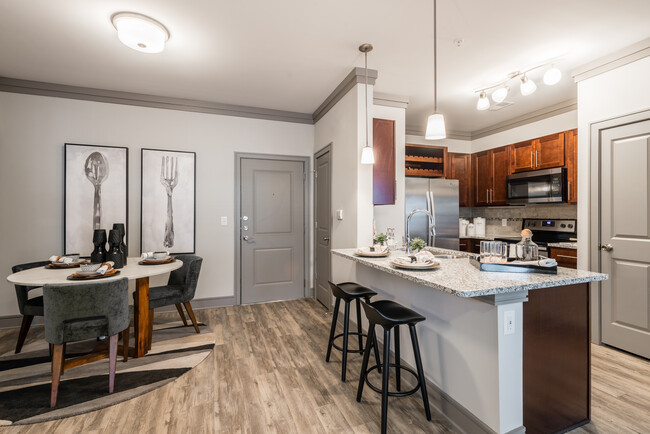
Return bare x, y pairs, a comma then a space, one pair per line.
527, 86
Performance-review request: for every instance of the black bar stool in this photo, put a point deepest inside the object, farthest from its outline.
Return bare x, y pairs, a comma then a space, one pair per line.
347, 292
389, 315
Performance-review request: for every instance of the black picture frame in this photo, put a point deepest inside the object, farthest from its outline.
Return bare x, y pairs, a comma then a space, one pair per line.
79, 209
155, 201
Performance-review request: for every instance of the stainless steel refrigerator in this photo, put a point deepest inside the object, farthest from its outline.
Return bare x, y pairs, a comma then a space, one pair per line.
440, 198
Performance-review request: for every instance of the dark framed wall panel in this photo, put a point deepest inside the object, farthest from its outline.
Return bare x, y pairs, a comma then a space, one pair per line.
383, 171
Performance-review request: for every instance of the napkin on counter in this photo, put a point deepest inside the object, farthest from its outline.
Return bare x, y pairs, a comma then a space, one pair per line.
546, 262
61, 259
105, 267
378, 249
423, 257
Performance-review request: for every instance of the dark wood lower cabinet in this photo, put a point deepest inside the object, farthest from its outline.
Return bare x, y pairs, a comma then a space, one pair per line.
565, 257
556, 359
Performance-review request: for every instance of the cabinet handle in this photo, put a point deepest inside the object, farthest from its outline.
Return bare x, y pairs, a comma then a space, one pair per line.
566, 256
487, 196
491, 196
536, 158
531, 160
568, 191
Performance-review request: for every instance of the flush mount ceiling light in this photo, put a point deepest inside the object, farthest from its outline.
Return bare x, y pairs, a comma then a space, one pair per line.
552, 76
436, 123
527, 86
367, 155
483, 102
140, 32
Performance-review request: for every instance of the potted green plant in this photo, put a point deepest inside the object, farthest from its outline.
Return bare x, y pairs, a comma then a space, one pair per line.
417, 244
380, 239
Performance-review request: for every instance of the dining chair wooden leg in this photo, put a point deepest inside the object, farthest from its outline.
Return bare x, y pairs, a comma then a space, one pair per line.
57, 366
125, 345
188, 307
24, 328
112, 361
181, 313
63, 359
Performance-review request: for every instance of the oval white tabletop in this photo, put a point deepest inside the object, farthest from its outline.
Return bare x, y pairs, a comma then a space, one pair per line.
41, 276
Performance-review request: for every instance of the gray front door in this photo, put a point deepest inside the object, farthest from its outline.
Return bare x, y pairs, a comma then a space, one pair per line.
272, 230
323, 223
625, 237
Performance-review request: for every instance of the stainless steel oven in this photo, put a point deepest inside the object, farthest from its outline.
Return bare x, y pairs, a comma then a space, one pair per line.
539, 186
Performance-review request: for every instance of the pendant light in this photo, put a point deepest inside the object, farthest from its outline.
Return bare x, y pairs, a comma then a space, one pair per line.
436, 122
367, 155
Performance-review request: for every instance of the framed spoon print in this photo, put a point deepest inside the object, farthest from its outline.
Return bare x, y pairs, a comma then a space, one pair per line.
168, 201
96, 193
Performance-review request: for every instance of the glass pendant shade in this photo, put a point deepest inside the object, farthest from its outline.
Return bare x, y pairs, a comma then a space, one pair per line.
367, 155
140, 32
528, 86
436, 127
500, 94
483, 102
552, 76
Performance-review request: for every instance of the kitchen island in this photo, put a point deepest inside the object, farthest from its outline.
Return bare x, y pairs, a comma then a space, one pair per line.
534, 374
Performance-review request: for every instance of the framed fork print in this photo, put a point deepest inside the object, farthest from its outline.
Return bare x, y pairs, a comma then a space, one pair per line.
96, 193
168, 201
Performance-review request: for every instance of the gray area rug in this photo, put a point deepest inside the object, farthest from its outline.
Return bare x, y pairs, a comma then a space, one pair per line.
25, 378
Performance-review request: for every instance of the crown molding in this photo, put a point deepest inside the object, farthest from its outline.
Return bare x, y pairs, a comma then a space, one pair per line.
390, 100
612, 61
453, 135
356, 76
143, 100
528, 118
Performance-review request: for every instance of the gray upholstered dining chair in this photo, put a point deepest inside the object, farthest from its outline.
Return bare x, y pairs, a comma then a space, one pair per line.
85, 311
179, 290
28, 307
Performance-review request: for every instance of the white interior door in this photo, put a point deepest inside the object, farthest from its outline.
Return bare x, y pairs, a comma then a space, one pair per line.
625, 237
323, 224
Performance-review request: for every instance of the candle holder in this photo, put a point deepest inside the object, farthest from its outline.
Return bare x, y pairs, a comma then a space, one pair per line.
123, 247
99, 240
115, 254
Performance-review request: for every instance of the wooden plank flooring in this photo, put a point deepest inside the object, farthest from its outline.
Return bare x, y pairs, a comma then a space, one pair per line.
268, 374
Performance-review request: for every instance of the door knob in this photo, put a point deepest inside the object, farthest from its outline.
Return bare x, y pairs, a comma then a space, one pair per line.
245, 238
326, 238
245, 218
606, 247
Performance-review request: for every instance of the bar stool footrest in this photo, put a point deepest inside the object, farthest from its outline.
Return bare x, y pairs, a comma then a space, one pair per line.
363, 335
396, 394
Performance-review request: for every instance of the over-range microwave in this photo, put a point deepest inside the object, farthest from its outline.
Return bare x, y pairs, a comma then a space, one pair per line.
539, 186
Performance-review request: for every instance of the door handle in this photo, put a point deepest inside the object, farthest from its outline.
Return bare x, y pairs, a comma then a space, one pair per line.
491, 195
531, 160
326, 239
536, 158
568, 199
606, 247
487, 195
245, 238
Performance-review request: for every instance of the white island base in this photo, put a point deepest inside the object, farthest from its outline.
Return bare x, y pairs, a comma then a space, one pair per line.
475, 366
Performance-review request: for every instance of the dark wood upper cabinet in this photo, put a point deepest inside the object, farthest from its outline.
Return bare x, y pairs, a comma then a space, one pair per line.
500, 169
537, 154
383, 171
523, 156
425, 161
459, 167
571, 162
549, 151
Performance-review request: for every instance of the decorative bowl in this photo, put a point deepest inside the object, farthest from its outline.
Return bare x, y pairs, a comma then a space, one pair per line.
89, 268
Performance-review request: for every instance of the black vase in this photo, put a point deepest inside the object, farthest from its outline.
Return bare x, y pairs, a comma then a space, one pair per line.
114, 253
123, 247
99, 240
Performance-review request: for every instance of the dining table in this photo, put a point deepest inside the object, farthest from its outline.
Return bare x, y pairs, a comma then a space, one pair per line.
134, 270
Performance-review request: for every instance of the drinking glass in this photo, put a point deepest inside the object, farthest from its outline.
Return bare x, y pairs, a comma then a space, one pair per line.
499, 252
485, 251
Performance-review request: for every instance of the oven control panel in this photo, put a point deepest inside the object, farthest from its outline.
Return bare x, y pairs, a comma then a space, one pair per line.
550, 225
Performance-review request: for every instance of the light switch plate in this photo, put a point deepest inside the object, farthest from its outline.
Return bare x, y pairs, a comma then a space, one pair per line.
224, 220
504, 222
339, 214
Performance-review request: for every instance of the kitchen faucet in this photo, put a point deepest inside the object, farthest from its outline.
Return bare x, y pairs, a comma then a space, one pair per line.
408, 221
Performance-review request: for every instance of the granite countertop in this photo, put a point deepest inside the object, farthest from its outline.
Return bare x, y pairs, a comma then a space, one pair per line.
459, 277
566, 245
490, 237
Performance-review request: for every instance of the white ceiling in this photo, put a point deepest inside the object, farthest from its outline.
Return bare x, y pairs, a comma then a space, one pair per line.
290, 54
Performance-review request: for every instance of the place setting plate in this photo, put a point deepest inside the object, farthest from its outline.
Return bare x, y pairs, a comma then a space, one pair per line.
91, 275
59, 265
414, 265
366, 252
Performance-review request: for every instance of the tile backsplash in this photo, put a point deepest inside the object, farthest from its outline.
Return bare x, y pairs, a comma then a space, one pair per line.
515, 215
